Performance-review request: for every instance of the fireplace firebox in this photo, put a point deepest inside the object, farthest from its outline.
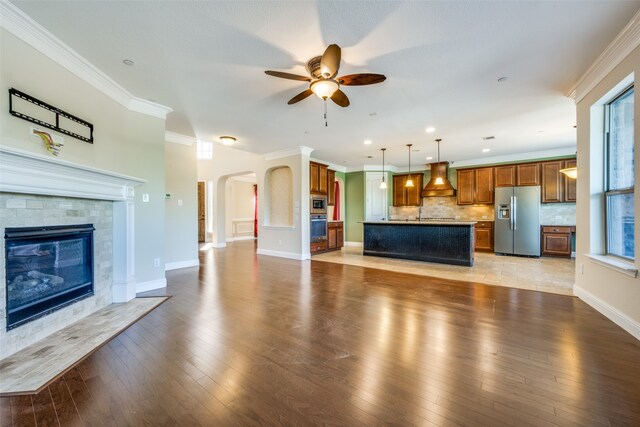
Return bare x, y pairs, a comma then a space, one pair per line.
47, 268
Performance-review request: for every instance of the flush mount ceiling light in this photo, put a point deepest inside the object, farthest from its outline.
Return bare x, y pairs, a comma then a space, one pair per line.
227, 140
383, 184
409, 182
439, 180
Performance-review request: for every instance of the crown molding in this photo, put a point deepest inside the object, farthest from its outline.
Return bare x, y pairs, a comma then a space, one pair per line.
29, 31
616, 52
532, 155
296, 151
332, 166
178, 138
378, 168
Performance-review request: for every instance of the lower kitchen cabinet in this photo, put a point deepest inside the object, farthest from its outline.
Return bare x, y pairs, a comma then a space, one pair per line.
317, 247
556, 240
335, 235
483, 236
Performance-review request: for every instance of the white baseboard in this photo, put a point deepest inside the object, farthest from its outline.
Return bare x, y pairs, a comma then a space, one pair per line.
612, 313
353, 244
151, 285
237, 238
181, 264
218, 245
280, 254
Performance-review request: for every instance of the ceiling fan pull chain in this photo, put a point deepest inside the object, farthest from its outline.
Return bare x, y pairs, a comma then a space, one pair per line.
325, 112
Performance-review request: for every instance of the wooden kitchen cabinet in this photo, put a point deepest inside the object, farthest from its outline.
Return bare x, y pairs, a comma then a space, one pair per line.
556, 240
569, 183
528, 174
556, 186
403, 196
483, 236
505, 176
318, 178
331, 190
475, 186
335, 235
552, 183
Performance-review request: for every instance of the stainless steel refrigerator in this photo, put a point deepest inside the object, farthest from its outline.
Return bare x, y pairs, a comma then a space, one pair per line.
517, 221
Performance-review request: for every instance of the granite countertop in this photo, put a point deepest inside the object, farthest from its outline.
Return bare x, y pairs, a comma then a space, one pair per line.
416, 222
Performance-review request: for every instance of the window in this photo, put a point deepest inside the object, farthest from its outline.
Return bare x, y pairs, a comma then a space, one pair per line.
619, 184
205, 150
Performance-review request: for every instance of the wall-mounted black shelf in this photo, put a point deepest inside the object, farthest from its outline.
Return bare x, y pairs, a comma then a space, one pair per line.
55, 123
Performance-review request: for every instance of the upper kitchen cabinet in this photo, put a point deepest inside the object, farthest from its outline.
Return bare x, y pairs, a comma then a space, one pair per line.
569, 183
505, 176
475, 186
556, 187
407, 196
331, 190
528, 174
552, 185
318, 178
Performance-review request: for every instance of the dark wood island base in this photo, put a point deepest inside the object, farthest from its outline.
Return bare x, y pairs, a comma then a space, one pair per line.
440, 242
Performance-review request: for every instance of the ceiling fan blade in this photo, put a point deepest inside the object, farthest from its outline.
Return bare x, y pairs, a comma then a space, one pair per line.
330, 63
287, 76
299, 97
361, 79
340, 98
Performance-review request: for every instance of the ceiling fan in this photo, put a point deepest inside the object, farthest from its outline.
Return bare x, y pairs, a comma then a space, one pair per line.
322, 78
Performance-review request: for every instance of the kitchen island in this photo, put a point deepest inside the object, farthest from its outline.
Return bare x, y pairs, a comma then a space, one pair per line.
445, 242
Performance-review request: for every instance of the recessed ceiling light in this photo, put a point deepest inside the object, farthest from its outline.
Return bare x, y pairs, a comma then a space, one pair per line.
486, 150
540, 131
227, 140
369, 157
367, 142
128, 62
430, 158
430, 129
487, 138
502, 79
373, 114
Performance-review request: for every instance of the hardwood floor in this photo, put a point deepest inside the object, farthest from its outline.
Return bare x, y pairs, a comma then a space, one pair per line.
253, 340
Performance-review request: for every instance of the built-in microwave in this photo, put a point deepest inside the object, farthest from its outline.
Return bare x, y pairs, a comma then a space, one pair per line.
318, 205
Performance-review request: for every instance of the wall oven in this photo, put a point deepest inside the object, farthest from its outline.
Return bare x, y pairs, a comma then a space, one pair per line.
318, 227
318, 205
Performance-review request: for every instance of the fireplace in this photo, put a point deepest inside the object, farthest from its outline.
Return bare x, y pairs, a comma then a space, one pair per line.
47, 268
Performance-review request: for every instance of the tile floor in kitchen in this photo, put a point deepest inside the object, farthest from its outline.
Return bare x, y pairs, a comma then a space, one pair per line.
555, 275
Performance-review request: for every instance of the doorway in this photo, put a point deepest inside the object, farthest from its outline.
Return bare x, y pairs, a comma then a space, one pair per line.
201, 212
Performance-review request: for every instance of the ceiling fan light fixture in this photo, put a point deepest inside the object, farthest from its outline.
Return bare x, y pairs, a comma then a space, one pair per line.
227, 140
570, 172
324, 88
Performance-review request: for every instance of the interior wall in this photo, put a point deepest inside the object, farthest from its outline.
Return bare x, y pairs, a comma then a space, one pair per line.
126, 142
181, 209
280, 201
354, 206
610, 291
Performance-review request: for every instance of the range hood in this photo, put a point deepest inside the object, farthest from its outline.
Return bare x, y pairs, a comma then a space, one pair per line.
445, 189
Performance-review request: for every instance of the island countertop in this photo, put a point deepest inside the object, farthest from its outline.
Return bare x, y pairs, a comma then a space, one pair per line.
416, 222
445, 242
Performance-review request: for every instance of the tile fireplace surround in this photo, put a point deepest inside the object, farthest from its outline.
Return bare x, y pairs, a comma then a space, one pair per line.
37, 190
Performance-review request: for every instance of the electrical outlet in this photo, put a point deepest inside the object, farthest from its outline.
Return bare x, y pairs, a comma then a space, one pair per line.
145, 197
280, 242
581, 268
179, 202
156, 262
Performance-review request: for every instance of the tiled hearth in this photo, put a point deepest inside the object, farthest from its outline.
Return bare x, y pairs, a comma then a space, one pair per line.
38, 191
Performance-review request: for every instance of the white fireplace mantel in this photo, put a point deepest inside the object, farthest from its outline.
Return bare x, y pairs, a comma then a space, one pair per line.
28, 173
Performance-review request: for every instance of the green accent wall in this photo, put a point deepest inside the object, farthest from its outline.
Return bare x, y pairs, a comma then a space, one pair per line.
354, 201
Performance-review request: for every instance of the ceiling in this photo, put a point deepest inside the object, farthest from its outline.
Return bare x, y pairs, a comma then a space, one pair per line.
206, 60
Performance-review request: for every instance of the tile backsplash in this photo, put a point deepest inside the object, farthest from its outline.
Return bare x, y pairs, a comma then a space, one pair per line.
443, 207
447, 207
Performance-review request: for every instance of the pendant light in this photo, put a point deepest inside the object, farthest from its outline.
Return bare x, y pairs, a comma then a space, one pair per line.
439, 180
409, 182
383, 184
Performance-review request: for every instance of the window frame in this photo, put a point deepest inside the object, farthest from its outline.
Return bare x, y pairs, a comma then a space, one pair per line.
607, 177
